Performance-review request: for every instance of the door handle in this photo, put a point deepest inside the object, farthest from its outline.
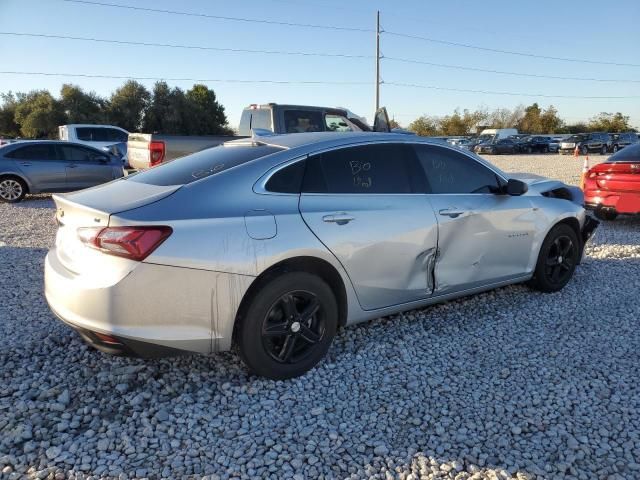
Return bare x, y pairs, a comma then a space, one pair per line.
453, 213
339, 218
25, 164
71, 165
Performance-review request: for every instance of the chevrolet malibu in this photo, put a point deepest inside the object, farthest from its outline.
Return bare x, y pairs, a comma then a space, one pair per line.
274, 242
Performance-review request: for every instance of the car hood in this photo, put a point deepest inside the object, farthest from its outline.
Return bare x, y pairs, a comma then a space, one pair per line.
541, 185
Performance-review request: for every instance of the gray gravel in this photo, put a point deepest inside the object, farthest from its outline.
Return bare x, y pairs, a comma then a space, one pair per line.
507, 384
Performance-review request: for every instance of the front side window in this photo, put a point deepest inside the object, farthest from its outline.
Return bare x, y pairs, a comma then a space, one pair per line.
302, 121
367, 169
449, 171
35, 152
79, 154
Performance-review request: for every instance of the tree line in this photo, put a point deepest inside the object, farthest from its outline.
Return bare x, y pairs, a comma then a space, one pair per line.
38, 113
531, 119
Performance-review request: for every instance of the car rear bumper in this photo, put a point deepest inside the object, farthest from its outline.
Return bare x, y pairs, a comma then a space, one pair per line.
621, 202
154, 310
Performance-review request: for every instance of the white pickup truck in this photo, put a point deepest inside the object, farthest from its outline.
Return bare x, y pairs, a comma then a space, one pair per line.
96, 136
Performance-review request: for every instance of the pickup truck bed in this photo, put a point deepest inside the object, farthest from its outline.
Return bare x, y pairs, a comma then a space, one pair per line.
147, 150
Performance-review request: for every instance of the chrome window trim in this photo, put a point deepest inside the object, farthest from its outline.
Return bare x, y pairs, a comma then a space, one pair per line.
259, 186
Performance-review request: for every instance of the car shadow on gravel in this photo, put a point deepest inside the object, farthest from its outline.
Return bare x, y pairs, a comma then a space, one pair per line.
35, 201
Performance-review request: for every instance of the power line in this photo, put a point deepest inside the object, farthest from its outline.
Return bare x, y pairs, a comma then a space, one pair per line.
502, 72
175, 45
509, 52
212, 80
220, 17
302, 82
489, 92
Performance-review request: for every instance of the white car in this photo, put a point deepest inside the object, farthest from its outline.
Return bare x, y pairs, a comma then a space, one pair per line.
97, 136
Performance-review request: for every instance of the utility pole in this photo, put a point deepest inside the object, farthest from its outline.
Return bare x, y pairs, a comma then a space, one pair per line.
378, 60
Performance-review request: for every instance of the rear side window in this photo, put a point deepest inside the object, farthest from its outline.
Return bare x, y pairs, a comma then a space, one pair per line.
301, 121
449, 171
202, 164
287, 180
34, 152
370, 169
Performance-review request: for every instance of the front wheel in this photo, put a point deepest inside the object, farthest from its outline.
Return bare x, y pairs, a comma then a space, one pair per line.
584, 150
615, 148
557, 260
603, 150
288, 326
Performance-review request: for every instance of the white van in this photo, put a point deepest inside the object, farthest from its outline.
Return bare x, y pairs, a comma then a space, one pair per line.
97, 136
491, 135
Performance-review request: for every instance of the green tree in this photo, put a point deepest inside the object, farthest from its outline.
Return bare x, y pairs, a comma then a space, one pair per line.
39, 115
81, 107
530, 122
127, 105
550, 122
610, 122
8, 125
205, 115
425, 126
166, 112
394, 124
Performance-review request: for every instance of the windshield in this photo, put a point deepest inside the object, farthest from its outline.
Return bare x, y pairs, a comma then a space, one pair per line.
575, 138
486, 138
184, 170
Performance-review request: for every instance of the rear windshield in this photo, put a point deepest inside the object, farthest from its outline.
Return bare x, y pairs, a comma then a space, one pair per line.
627, 154
182, 171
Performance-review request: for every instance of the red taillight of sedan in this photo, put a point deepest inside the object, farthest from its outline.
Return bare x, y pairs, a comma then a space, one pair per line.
134, 243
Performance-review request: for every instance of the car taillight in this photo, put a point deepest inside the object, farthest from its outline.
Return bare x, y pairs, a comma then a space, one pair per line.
135, 243
156, 152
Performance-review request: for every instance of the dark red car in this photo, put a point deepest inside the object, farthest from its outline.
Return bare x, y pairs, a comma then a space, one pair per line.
613, 187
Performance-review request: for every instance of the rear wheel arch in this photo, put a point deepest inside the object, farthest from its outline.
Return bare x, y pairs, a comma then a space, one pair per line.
312, 265
17, 177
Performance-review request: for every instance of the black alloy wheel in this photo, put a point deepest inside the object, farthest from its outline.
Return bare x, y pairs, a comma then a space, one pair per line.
557, 260
293, 326
288, 325
561, 260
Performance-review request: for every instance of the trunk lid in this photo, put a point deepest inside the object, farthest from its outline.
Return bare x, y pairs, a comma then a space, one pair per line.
617, 176
93, 208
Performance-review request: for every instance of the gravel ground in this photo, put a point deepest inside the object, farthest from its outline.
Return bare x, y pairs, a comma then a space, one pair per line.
506, 384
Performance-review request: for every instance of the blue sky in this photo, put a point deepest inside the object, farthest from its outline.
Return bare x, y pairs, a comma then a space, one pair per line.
574, 29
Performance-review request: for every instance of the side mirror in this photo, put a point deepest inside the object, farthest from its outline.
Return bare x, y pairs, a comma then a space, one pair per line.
516, 187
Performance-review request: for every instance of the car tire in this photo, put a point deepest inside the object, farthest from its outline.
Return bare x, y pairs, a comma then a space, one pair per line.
288, 326
607, 214
12, 189
584, 150
557, 260
545, 150
529, 150
603, 150
615, 148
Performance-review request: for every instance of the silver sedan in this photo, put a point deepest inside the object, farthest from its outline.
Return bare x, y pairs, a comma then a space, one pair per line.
40, 166
273, 243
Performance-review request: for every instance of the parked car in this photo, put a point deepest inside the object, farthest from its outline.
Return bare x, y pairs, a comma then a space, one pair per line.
268, 243
613, 187
97, 136
494, 134
505, 145
148, 150
535, 144
586, 143
53, 166
119, 150
621, 140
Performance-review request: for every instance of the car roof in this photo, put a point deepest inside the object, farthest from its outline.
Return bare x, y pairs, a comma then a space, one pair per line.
331, 139
91, 125
20, 143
